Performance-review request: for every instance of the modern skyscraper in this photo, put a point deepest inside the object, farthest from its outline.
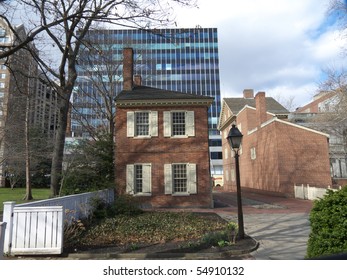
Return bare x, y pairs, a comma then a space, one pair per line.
184, 60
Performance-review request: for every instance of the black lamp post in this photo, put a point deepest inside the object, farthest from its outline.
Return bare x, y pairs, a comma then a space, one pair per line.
235, 139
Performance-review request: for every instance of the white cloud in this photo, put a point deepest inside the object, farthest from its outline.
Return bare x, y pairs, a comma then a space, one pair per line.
274, 45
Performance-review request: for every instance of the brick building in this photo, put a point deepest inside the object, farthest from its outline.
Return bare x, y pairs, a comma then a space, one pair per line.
276, 154
162, 153
326, 113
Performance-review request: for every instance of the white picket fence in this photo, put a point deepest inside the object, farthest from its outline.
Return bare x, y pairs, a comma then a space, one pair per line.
34, 230
76, 206
37, 227
310, 193
2, 238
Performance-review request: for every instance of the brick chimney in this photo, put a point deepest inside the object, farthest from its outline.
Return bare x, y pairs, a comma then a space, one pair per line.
260, 105
128, 68
138, 80
248, 93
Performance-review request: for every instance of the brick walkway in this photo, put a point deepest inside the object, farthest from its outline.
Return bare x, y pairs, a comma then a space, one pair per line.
254, 203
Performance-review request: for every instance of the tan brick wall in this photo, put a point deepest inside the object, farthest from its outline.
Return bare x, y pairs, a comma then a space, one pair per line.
161, 150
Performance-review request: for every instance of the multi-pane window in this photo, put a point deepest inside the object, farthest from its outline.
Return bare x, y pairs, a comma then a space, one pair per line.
180, 178
142, 123
178, 123
179, 172
138, 178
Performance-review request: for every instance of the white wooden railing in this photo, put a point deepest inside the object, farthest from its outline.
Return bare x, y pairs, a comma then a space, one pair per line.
2, 237
37, 227
34, 230
76, 206
310, 193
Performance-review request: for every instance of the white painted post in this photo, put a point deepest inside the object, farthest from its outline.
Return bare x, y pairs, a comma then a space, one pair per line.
303, 191
8, 219
2, 238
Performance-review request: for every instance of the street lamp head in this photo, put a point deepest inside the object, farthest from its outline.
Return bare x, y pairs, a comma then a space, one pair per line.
235, 138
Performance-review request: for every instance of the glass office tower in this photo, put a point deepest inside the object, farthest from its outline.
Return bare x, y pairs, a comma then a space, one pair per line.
184, 60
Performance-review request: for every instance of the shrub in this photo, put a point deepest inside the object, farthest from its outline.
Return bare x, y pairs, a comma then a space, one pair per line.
328, 220
232, 230
126, 205
223, 238
73, 230
214, 238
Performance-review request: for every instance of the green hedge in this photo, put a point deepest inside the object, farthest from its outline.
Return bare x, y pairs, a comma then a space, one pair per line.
328, 220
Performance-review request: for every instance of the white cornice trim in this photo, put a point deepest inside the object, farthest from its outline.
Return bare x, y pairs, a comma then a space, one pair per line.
163, 102
295, 125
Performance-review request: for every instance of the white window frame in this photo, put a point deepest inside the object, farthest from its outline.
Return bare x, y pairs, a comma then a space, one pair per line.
189, 124
253, 153
191, 179
146, 179
131, 124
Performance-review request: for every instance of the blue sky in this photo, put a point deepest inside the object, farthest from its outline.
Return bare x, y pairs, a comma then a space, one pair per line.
276, 46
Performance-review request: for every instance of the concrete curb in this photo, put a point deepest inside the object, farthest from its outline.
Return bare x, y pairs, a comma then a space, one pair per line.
161, 255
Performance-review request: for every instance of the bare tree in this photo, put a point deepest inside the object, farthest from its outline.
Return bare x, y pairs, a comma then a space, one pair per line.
333, 111
98, 87
23, 71
287, 102
62, 26
332, 118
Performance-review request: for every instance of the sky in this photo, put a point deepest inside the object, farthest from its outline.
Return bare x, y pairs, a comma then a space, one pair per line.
277, 46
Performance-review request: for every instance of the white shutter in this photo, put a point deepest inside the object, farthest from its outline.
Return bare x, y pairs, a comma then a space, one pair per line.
168, 178
154, 123
190, 123
167, 124
130, 124
130, 179
146, 178
191, 170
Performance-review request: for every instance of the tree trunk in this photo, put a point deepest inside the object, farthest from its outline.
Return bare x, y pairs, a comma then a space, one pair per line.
28, 193
58, 150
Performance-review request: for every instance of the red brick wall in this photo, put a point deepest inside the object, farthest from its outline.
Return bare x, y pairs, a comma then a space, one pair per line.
285, 155
312, 107
159, 151
308, 152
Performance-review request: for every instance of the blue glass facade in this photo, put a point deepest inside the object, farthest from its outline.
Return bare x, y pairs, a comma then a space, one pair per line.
184, 60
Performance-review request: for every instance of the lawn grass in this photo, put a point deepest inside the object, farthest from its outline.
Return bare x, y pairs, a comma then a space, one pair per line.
17, 194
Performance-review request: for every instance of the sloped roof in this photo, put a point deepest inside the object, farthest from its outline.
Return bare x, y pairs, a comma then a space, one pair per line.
144, 92
141, 94
272, 106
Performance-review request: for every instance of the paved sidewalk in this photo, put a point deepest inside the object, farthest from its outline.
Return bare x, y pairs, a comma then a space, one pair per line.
280, 236
280, 224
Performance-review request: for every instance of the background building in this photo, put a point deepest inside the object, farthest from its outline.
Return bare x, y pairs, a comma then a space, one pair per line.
184, 60
276, 154
327, 113
25, 99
